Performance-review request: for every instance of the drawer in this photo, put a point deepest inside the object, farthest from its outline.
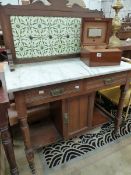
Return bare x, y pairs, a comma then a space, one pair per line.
94, 84
46, 94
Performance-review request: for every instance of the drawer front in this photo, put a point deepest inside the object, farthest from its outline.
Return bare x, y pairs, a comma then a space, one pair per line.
49, 93
104, 81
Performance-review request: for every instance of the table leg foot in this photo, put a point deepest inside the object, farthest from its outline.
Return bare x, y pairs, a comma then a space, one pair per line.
22, 114
30, 159
9, 151
14, 171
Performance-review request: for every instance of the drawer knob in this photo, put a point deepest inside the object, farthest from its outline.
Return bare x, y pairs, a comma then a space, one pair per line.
41, 92
77, 87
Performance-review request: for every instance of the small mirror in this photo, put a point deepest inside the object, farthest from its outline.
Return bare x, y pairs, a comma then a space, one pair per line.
94, 32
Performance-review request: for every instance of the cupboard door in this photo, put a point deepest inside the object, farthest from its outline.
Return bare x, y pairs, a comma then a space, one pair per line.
75, 115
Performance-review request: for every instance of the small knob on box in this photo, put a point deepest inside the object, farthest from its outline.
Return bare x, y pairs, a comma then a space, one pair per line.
99, 55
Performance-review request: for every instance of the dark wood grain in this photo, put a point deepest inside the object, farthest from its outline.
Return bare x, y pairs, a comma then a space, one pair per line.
44, 133
41, 112
99, 118
56, 113
89, 85
109, 57
76, 109
91, 109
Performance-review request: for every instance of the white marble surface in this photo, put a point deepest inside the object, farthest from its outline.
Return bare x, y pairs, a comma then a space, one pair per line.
46, 73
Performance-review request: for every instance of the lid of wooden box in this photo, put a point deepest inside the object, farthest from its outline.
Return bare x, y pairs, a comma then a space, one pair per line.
94, 50
95, 31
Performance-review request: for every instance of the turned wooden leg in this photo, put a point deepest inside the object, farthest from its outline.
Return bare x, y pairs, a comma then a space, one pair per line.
118, 119
22, 114
28, 147
6, 140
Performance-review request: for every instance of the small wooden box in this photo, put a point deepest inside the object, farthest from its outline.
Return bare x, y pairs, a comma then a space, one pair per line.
94, 42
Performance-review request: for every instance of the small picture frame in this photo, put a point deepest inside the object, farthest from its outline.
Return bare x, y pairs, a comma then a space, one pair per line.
94, 32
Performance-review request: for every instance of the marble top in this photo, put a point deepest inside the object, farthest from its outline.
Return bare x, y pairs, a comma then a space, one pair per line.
28, 76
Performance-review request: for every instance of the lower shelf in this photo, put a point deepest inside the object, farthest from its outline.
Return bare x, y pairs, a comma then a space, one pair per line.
99, 118
43, 133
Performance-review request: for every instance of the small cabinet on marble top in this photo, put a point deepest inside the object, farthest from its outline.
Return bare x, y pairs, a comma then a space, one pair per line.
94, 43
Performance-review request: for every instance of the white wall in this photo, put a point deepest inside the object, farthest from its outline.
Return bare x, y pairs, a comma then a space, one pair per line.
109, 12
93, 4
105, 5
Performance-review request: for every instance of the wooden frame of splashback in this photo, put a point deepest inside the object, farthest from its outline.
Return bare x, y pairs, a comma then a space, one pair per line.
56, 9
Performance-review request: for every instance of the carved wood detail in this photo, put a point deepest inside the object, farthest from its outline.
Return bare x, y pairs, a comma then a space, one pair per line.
45, 2
62, 3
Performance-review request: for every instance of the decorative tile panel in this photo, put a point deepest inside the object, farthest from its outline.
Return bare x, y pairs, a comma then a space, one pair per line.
45, 36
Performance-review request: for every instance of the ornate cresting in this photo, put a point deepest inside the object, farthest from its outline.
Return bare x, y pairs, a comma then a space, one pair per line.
116, 25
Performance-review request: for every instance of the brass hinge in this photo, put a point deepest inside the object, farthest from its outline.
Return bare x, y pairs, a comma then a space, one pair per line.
65, 117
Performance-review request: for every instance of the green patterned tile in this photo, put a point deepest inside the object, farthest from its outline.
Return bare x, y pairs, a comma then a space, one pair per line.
45, 36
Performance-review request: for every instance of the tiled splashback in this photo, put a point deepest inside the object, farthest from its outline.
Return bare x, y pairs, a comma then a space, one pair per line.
45, 36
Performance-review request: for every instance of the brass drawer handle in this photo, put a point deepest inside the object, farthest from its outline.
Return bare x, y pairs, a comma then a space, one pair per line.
57, 92
108, 81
